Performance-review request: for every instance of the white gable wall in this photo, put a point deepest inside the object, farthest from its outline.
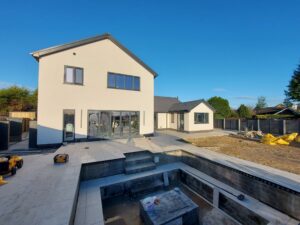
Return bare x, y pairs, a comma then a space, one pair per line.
96, 59
190, 126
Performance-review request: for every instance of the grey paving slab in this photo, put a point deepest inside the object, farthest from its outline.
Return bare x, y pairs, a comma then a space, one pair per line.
44, 193
41, 188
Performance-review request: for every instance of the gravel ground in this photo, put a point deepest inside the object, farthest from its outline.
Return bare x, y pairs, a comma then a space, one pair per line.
281, 157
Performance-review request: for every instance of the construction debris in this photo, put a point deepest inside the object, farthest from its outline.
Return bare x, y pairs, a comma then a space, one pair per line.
254, 134
2, 181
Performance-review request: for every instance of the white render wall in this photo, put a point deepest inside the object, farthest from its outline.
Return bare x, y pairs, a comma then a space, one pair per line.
172, 125
189, 124
96, 59
164, 121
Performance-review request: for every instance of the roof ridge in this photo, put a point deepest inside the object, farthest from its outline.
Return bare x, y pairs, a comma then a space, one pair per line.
58, 48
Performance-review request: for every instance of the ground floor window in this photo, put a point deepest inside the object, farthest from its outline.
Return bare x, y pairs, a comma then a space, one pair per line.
113, 124
200, 118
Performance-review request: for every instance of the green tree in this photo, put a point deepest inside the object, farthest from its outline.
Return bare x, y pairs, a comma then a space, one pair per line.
261, 102
244, 111
221, 106
234, 114
287, 102
293, 91
16, 98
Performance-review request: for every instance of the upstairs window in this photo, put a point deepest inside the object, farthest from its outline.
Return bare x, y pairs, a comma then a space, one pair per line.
201, 118
121, 81
73, 75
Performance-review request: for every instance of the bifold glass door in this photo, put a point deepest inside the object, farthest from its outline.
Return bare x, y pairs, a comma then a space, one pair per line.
112, 124
115, 124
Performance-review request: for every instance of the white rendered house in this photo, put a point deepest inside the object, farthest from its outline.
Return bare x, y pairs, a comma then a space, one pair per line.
93, 88
192, 116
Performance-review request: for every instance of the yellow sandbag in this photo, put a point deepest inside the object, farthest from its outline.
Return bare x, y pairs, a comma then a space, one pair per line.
289, 137
2, 182
280, 141
268, 139
297, 139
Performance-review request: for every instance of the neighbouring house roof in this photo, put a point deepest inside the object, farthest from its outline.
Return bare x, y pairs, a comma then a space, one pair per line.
171, 104
48, 51
163, 104
188, 106
275, 111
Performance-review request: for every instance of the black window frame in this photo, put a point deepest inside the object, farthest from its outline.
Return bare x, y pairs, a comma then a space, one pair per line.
74, 75
114, 78
196, 121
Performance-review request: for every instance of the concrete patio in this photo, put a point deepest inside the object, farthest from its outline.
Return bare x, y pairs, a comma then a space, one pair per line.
43, 193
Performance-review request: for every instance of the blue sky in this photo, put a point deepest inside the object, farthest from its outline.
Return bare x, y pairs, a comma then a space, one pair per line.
235, 49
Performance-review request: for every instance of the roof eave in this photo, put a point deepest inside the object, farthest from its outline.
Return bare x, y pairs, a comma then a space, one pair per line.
48, 51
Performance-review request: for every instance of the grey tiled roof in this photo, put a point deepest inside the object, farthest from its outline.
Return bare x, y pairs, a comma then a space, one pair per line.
163, 104
169, 104
188, 106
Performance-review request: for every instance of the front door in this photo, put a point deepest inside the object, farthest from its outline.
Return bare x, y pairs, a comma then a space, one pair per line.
181, 122
69, 125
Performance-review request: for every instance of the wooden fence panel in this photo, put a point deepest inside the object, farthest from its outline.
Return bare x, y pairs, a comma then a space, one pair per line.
264, 126
28, 115
292, 126
218, 123
273, 126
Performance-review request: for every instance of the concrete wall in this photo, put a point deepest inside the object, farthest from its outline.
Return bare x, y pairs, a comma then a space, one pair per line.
102, 169
279, 197
96, 59
190, 125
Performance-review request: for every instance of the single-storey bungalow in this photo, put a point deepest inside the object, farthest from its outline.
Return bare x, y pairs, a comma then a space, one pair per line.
192, 116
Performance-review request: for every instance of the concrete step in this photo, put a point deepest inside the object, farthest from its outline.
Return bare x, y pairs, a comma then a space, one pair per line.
139, 159
140, 168
139, 153
146, 186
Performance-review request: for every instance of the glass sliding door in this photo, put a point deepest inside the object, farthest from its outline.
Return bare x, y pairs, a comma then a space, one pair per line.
94, 128
125, 130
115, 124
68, 125
105, 131
112, 124
134, 123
